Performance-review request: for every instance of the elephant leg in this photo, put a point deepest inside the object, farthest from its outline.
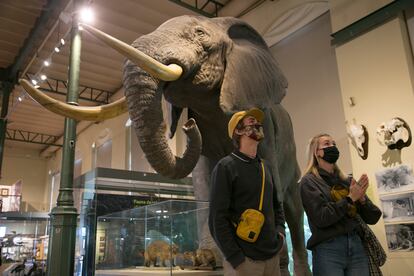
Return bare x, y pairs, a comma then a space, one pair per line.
294, 217
201, 179
201, 184
284, 261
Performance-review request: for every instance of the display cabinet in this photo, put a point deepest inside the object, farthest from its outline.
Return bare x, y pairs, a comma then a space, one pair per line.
161, 239
104, 191
24, 241
396, 192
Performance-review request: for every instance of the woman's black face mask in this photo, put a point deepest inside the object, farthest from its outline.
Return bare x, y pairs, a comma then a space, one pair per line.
330, 154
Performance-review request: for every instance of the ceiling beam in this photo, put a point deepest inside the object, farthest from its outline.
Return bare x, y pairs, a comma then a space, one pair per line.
200, 6
51, 9
32, 137
86, 93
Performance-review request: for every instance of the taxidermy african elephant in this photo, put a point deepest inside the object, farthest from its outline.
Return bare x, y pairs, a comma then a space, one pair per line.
215, 67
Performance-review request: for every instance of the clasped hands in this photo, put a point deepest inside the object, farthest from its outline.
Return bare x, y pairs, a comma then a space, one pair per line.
357, 189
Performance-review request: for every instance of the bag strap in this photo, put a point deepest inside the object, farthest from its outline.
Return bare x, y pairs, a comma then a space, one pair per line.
263, 182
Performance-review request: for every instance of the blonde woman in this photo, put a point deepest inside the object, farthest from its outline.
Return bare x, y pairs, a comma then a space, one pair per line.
332, 202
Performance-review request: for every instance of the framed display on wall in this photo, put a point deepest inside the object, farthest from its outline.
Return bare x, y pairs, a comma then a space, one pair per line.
4, 192
398, 207
396, 191
400, 237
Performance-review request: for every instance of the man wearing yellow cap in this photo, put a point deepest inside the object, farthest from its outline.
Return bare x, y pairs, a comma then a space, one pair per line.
243, 196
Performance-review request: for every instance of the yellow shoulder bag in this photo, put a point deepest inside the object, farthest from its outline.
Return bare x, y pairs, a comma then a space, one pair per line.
251, 220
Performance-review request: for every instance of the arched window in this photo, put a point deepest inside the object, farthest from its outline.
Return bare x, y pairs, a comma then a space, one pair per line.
77, 169
136, 160
54, 189
102, 150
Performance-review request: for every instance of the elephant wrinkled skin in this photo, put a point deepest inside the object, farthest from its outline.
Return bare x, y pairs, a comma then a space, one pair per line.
216, 67
227, 67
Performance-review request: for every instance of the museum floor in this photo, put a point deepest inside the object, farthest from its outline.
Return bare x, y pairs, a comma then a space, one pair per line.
156, 272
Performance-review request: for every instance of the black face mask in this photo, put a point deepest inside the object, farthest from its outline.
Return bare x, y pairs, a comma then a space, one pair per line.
330, 154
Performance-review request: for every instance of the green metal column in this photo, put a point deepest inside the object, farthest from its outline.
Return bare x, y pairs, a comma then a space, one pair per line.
7, 88
64, 216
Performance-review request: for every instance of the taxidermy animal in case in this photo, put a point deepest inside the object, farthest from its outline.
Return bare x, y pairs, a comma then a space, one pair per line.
205, 257
214, 67
395, 134
201, 257
162, 251
359, 139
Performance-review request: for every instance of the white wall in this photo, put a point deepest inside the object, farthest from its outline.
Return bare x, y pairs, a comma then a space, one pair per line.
314, 97
377, 70
262, 17
26, 165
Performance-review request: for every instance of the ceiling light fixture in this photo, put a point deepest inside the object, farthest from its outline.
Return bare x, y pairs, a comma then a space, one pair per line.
86, 15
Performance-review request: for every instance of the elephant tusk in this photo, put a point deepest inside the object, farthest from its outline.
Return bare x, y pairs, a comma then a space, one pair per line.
158, 70
79, 113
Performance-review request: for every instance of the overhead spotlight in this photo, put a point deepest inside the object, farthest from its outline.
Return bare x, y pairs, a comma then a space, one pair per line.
20, 99
80, 28
43, 77
86, 15
36, 86
46, 63
57, 50
62, 41
34, 81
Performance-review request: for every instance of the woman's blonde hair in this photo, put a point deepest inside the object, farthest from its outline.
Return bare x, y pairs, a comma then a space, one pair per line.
312, 166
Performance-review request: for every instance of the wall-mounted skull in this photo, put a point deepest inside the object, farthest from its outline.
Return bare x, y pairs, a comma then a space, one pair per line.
359, 139
395, 134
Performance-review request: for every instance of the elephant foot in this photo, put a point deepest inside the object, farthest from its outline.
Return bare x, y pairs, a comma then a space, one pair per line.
284, 261
285, 272
301, 266
302, 269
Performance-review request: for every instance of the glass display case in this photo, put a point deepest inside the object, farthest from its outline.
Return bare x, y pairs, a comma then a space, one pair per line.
24, 238
157, 239
104, 191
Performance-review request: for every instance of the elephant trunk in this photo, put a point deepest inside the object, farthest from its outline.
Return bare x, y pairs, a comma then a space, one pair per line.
144, 94
143, 90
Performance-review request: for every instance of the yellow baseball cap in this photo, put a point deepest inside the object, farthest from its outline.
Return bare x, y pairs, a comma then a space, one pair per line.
235, 119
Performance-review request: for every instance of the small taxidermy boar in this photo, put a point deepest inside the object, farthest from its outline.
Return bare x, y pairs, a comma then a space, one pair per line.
159, 249
202, 257
205, 257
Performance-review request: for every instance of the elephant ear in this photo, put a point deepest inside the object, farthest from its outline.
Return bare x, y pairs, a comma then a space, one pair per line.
252, 76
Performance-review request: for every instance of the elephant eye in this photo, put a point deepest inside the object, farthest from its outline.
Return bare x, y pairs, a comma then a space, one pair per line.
201, 35
200, 32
